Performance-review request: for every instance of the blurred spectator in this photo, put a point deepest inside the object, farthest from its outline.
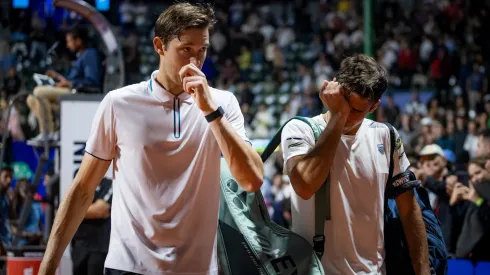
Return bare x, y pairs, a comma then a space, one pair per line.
471, 142
474, 239
415, 106
7, 209
476, 85
459, 138
392, 112
406, 131
11, 84
309, 108
32, 231
9, 59
131, 55
262, 122
85, 72
91, 241
483, 147
229, 73
440, 136
436, 177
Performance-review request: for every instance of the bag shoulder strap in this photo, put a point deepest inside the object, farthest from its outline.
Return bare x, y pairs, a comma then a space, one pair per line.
276, 139
322, 206
322, 203
392, 151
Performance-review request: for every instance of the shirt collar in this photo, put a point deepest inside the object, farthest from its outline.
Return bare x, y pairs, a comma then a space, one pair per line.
162, 94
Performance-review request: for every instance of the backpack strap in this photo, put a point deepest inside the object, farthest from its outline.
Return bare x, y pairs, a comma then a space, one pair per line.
322, 206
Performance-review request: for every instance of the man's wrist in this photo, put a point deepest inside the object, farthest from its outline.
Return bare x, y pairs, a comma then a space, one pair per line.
211, 108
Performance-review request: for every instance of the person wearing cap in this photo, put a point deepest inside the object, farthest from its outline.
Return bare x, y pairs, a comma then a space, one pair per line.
436, 176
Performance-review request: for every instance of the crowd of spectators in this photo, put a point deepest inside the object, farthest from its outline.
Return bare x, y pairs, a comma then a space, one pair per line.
274, 54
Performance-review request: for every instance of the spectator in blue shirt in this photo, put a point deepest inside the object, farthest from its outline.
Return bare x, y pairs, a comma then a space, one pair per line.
31, 233
85, 72
7, 211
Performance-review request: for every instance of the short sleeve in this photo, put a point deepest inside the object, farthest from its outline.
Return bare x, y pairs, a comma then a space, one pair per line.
102, 139
234, 115
297, 139
400, 158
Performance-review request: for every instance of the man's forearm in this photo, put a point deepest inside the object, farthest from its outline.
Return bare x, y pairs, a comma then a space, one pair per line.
414, 229
69, 216
311, 171
245, 164
92, 213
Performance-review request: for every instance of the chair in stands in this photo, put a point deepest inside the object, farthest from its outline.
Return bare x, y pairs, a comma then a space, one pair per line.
460, 267
482, 268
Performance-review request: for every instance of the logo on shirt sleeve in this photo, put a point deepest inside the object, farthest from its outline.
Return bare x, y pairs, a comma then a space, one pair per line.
381, 149
398, 144
296, 142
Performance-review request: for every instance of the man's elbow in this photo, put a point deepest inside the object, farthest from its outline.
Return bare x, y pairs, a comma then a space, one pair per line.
84, 191
302, 190
252, 185
305, 194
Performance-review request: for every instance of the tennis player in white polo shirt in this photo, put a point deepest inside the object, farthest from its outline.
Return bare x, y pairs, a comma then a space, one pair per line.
352, 151
164, 137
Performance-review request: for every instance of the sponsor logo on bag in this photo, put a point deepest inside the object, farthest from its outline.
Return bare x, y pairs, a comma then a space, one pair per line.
404, 179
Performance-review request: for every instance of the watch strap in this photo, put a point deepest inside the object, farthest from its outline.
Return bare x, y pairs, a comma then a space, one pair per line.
216, 114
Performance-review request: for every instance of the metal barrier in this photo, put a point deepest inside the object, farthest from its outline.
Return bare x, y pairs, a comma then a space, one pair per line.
21, 221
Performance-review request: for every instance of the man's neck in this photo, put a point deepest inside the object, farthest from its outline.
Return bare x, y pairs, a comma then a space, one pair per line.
163, 80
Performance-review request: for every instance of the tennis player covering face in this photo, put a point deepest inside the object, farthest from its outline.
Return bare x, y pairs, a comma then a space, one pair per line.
355, 153
164, 137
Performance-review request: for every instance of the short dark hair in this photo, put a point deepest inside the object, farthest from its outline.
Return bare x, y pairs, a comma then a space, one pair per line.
362, 75
479, 161
79, 32
485, 133
7, 169
181, 16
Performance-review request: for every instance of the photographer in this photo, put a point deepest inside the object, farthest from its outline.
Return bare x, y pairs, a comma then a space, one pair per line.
474, 240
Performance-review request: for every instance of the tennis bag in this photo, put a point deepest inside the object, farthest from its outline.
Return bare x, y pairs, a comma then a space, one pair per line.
397, 257
249, 243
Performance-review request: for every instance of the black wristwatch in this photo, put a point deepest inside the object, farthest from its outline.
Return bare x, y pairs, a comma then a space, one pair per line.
216, 114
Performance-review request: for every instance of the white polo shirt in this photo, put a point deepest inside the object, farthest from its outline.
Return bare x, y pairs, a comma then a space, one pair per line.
166, 178
354, 238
